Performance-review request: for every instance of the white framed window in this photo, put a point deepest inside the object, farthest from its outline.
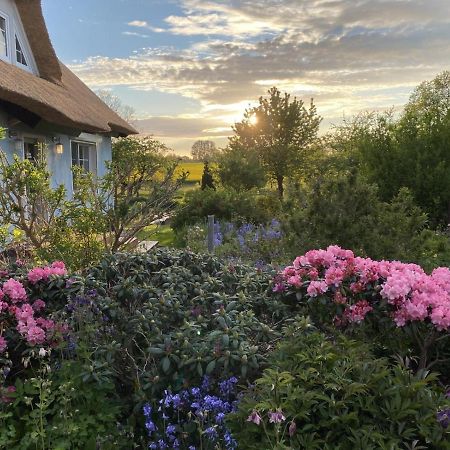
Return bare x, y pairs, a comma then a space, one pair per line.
20, 55
84, 155
4, 26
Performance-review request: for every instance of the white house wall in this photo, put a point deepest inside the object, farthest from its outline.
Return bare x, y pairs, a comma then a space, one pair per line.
60, 166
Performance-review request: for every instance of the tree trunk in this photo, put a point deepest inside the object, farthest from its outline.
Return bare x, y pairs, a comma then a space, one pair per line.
280, 180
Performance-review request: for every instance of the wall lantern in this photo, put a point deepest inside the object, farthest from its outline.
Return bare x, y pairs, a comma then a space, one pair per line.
59, 146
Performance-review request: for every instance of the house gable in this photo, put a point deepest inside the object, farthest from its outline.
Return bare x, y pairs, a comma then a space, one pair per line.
18, 49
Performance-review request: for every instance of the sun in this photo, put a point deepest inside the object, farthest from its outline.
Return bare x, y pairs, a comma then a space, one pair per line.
253, 120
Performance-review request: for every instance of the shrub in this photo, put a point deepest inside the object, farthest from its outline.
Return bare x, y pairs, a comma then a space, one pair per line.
170, 317
105, 213
333, 394
347, 211
179, 316
341, 288
224, 204
240, 169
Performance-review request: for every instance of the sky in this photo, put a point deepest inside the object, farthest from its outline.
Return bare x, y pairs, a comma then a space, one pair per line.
190, 68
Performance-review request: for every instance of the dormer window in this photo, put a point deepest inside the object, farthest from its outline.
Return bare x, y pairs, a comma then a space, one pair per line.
3, 38
20, 57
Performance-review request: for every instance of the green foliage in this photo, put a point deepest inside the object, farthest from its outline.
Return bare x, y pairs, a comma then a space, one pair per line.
335, 395
280, 131
61, 410
240, 169
347, 211
204, 150
207, 178
178, 316
412, 151
104, 215
224, 204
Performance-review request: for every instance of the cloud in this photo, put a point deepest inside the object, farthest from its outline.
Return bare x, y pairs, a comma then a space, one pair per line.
144, 24
349, 55
132, 33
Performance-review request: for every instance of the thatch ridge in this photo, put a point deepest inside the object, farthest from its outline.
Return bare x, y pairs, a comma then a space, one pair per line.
58, 96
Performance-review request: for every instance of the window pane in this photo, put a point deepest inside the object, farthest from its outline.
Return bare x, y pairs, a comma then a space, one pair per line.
19, 53
3, 41
81, 155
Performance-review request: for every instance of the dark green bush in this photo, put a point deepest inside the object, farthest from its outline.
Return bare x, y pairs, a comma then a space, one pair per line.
225, 204
347, 211
62, 410
333, 394
170, 317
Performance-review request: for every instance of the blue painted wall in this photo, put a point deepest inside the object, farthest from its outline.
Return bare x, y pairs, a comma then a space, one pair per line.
60, 166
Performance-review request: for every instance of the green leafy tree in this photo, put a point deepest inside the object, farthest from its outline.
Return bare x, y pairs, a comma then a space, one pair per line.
280, 130
240, 169
412, 151
204, 150
207, 178
105, 213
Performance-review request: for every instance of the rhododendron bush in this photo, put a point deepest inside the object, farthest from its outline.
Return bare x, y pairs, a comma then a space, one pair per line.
25, 322
354, 290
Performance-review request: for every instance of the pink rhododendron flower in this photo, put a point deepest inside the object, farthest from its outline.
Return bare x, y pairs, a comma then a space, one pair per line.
35, 335
411, 294
38, 305
356, 313
35, 275
339, 298
316, 288
14, 290
334, 276
295, 281
44, 273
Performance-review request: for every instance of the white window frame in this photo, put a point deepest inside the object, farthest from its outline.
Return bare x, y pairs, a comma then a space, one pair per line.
8, 37
93, 158
25, 54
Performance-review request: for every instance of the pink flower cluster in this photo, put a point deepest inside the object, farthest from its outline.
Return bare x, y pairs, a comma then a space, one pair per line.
44, 273
19, 312
410, 293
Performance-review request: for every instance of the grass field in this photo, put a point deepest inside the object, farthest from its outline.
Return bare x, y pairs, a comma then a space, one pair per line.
195, 170
162, 233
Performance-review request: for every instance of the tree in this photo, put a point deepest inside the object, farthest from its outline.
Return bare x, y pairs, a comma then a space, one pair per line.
239, 169
280, 130
411, 151
423, 136
105, 213
125, 111
207, 178
205, 151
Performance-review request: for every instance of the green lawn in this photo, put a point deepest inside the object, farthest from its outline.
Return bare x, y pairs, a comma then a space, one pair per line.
195, 170
162, 233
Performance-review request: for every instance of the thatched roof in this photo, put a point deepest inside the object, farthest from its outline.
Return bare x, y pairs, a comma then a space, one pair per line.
58, 96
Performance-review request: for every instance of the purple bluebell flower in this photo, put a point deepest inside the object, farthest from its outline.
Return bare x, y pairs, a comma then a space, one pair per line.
443, 417
147, 410
211, 432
